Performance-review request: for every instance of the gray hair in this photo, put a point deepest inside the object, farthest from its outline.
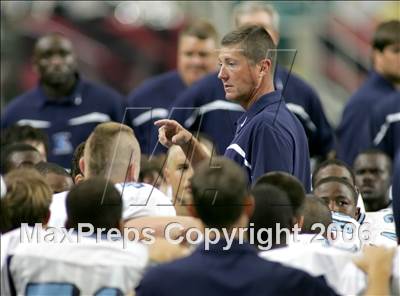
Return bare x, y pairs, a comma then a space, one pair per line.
249, 7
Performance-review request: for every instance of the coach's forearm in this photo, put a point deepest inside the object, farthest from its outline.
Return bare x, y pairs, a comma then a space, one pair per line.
195, 151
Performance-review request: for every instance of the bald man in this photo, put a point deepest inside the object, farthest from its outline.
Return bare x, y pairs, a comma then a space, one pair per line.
63, 105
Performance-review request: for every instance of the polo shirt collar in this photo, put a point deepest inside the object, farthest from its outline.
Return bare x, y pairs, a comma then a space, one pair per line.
263, 102
75, 98
236, 247
380, 80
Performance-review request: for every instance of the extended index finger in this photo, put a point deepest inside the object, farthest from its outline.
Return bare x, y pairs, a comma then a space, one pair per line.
167, 122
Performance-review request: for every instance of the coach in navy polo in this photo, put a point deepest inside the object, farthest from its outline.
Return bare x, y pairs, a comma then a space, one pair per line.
198, 107
268, 136
64, 105
385, 125
354, 133
153, 99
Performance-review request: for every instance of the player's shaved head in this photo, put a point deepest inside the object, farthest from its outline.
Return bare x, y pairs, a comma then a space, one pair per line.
112, 150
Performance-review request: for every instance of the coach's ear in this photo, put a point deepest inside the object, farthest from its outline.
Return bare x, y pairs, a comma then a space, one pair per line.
82, 166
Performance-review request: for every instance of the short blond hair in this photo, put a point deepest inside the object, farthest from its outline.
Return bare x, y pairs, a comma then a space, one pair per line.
27, 200
109, 151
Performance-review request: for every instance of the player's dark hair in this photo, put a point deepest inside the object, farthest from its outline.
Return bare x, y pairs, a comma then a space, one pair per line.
78, 154
290, 185
95, 201
219, 191
45, 168
9, 150
21, 133
330, 162
272, 206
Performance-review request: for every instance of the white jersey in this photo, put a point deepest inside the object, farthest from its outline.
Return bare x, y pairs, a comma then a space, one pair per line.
353, 281
382, 228
139, 200
9, 242
314, 259
346, 231
90, 267
306, 239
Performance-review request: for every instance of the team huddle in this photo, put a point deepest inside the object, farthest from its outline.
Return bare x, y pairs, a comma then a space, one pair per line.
222, 177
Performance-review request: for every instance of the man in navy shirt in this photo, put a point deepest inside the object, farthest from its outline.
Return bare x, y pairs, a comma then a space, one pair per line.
396, 195
385, 125
205, 101
63, 105
152, 100
268, 136
354, 134
224, 269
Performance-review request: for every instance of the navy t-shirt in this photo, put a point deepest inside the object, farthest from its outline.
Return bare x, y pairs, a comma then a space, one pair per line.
204, 108
396, 193
305, 103
67, 121
269, 138
237, 271
353, 133
150, 102
385, 125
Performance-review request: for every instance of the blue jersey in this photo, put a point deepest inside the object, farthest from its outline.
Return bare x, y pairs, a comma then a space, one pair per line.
149, 102
204, 108
269, 138
305, 103
396, 194
354, 134
385, 125
67, 121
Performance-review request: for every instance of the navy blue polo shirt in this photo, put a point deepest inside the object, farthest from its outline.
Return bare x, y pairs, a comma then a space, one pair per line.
353, 132
396, 193
204, 108
237, 271
270, 138
385, 125
150, 102
67, 121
